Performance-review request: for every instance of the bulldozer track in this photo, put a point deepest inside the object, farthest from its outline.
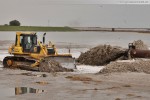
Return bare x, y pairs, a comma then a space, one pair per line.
19, 62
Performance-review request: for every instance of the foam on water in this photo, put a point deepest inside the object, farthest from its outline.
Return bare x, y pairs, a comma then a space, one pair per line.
3, 54
88, 69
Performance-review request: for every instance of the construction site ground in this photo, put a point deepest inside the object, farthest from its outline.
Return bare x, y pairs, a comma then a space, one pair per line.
116, 82
73, 86
78, 85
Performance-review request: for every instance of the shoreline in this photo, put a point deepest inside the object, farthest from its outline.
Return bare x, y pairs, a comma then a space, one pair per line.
139, 30
71, 29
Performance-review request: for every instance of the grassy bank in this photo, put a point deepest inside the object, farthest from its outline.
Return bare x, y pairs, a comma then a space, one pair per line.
35, 28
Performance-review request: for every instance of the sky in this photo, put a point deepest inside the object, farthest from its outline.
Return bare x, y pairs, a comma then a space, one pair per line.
74, 13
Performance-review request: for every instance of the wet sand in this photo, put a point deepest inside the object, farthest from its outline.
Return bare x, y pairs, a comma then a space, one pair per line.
73, 86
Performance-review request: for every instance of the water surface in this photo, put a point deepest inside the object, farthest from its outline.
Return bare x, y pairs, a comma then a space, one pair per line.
87, 38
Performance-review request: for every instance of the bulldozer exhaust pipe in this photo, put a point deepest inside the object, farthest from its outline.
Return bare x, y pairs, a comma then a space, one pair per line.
44, 38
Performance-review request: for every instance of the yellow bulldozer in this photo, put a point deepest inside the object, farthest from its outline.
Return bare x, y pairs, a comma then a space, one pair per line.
27, 53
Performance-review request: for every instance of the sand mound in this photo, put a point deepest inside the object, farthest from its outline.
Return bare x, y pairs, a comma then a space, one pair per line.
139, 44
48, 65
101, 55
137, 66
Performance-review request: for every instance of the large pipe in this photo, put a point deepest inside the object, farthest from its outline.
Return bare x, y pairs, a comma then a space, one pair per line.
137, 53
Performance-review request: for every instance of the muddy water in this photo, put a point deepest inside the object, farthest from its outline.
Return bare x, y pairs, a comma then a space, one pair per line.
82, 40
87, 38
95, 38
24, 90
7, 93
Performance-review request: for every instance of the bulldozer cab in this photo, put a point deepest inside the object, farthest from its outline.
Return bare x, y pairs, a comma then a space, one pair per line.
27, 42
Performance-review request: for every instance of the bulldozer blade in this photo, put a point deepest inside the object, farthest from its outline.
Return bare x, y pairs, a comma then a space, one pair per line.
65, 61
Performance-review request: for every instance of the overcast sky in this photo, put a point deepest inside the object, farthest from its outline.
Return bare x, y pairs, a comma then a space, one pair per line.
89, 13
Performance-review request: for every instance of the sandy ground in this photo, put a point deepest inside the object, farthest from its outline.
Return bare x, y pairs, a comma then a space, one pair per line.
73, 86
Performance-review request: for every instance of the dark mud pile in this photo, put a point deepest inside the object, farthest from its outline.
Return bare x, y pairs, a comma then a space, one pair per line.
52, 66
137, 66
139, 44
101, 55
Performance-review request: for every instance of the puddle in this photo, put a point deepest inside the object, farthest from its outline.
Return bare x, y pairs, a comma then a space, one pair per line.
42, 83
24, 90
6, 93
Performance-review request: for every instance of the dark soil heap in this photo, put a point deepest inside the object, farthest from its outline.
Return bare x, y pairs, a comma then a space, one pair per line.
48, 65
137, 66
101, 55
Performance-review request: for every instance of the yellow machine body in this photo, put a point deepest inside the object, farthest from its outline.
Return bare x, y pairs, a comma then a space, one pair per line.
34, 50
